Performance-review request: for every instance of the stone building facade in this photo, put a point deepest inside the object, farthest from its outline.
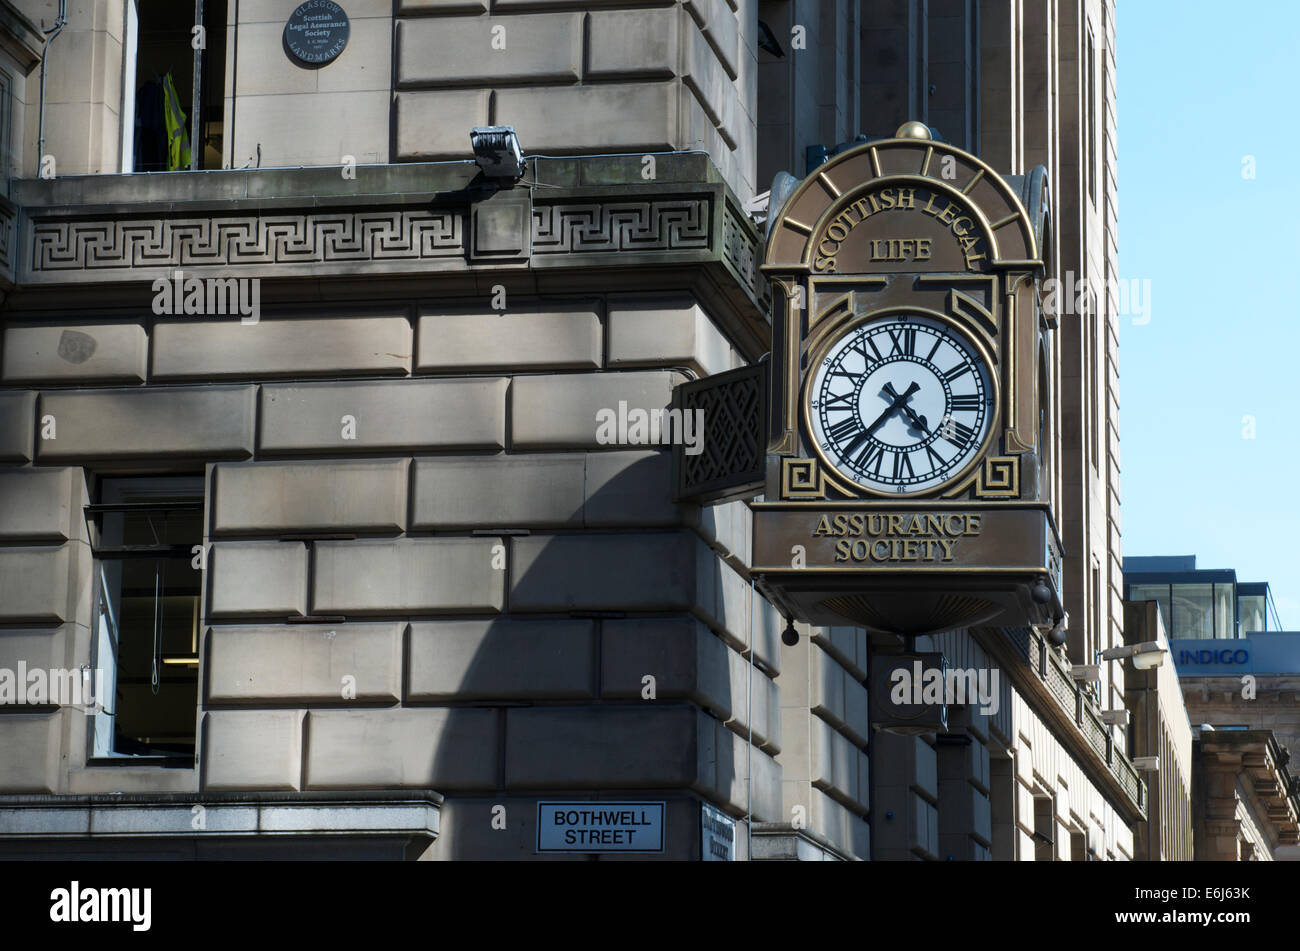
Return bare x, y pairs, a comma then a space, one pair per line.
362, 567
1160, 729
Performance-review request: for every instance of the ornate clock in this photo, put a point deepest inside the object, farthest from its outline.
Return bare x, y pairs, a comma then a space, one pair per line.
908, 477
900, 405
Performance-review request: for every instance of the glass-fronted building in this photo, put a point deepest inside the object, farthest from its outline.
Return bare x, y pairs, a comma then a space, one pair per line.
1200, 603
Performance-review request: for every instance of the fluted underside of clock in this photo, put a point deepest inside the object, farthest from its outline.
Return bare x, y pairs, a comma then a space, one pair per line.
911, 605
898, 613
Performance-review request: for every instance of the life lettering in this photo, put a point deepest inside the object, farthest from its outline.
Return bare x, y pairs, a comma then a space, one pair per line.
900, 249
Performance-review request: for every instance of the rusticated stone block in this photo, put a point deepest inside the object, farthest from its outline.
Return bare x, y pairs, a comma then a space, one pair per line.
17, 426
313, 663
61, 353
503, 659
681, 654
252, 749
534, 336
257, 579
427, 748
211, 349
665, 330
608, 746
290, 497
211, 422
537, 490
565, 411
619, 116
409, 576
36, 504
482, 50
32, 747
35, 584
405, 415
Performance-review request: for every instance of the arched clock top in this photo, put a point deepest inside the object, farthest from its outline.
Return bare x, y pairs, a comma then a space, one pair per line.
904, 201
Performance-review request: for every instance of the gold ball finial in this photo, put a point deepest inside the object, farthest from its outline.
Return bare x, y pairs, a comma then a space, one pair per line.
913, 130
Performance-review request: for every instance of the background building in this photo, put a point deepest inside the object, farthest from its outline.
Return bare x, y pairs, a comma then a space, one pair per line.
426, 595
1238, 676
1161, 733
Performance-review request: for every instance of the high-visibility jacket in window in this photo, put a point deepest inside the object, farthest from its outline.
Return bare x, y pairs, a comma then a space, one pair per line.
178, 136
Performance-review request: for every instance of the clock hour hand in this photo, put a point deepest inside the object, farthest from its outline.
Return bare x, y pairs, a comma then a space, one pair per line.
918, 421
899, 400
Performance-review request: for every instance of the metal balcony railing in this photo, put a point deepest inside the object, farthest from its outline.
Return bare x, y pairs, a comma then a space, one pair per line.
1077, 701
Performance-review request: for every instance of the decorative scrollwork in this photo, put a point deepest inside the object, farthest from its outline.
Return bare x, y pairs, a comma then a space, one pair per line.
998, 478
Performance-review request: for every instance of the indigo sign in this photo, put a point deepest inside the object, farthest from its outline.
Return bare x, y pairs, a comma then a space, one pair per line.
1237, 656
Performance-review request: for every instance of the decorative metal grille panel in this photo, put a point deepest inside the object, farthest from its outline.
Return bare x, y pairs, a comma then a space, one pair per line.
1060, 684
1129, 779
1094, 730
732, 451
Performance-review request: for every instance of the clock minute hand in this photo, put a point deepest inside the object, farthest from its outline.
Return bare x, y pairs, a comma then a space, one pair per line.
899, 400
918, 421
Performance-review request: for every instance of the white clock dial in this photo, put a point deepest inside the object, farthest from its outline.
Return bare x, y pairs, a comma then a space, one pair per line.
901, 404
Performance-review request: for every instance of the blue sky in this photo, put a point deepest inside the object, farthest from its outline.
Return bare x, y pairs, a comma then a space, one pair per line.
1202, 86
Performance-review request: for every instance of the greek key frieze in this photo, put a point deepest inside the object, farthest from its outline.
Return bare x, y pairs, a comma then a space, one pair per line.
670, 225
232, 240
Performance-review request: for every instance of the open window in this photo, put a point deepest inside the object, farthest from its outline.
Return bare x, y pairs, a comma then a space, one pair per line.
1044, 827
166, 69
145, 530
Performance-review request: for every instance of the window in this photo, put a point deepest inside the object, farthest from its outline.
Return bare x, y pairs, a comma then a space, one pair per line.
145, 530
1079, 847
1224, 611
1046, 480
1096, 414
1251, 607
160, 37
1090, 119
6, 126
1154, 592
1193, 610
1044, 828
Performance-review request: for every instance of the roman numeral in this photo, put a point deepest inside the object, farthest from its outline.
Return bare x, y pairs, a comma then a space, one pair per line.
959, 370
961, 434
937, 461
871, 454
901, 462
861, 346
838, 402
904, 341
935, 349
966, 401
844, 429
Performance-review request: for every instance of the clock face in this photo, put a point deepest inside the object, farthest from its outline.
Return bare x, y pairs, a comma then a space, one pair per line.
901, 405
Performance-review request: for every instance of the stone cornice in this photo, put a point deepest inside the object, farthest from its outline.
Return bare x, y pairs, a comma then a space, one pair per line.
427, 221
20, 37
1257, 755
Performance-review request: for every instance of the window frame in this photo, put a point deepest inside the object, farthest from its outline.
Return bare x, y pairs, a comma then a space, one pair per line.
170, 485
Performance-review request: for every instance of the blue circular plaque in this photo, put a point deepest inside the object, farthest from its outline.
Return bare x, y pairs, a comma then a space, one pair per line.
316, 33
